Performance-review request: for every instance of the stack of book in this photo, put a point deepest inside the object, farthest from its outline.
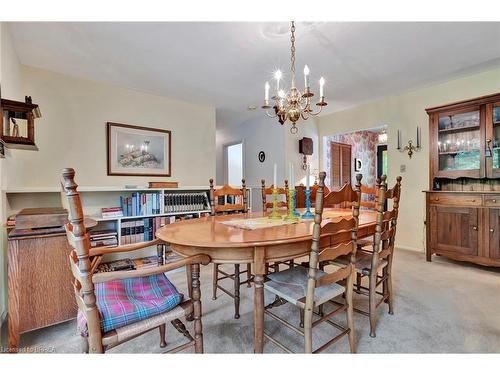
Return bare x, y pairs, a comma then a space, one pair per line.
140, 204
104, 238
134, 231
111, 212
186, 202
147, 262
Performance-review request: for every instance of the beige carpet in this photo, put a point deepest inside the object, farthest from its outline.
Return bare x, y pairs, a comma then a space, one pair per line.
440, 307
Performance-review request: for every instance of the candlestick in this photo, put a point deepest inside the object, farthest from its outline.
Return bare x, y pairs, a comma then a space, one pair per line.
274, 212
292, 212
266, 88
308, 214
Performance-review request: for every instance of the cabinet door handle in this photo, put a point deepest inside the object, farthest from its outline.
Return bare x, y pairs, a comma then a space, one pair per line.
474, 227
494, 200
492, 230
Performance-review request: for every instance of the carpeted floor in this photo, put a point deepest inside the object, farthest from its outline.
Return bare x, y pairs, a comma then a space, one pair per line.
440, 307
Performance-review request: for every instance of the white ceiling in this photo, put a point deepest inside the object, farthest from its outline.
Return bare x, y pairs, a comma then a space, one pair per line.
226, 64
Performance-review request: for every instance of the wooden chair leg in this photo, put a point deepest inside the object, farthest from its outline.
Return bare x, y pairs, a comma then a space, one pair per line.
389, 290
301, 314
249, 275
267, 268
358, 281
163, 342
198, 329
350, 312
84, 344
236, 291
290, 263
308, 313
372, 296
214, 281
189, 276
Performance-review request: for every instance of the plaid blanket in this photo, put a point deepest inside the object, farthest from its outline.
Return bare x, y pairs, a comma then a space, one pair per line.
124, 302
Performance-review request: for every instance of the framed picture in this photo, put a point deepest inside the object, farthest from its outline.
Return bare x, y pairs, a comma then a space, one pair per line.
138, 151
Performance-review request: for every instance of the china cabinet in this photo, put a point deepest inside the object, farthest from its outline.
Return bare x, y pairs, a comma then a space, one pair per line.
463, 201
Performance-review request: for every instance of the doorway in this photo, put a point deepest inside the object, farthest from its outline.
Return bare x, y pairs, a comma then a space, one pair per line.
381, 160
233, 161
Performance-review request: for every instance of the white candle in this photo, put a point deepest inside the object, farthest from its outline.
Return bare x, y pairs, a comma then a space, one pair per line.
267, 92
306, 74
274, 185
307, 177
277, 75
292, 177
321, 84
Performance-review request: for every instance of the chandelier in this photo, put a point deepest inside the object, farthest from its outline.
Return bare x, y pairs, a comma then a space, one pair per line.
293, 105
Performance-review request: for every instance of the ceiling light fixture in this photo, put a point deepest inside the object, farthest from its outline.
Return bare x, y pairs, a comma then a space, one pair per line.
293, 105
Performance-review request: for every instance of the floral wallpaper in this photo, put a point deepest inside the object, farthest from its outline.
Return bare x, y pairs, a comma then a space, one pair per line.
364, 147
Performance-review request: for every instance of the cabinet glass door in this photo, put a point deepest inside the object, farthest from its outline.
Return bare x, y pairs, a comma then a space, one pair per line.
459, 142
495, 142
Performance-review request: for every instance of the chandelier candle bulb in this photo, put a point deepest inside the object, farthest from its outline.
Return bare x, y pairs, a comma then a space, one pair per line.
306, 75
277, 75
266, 92
321, 88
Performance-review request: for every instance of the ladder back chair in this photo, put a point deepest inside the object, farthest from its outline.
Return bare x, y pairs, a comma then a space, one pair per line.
235, 200
371, 204
114, 307
282, 203
376, 264
310, 287
268, 191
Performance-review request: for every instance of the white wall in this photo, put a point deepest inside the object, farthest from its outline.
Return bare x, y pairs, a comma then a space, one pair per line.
72, 132
405, 112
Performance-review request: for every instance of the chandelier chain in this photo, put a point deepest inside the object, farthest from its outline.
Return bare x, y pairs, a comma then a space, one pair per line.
292, 59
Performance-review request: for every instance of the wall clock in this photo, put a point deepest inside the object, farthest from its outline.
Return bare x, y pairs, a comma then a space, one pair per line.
262, 156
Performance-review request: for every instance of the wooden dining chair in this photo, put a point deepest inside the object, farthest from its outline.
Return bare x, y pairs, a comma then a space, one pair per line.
301, 194
376, 262
310, 287
266, 205
268, 192
230, 200
114, 307
368, 201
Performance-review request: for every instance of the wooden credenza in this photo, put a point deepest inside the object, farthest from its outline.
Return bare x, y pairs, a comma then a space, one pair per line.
40, 283
464, 226
463, 200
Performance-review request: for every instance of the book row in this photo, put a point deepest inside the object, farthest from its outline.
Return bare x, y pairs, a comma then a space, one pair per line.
134, 231
139, 204
183, 202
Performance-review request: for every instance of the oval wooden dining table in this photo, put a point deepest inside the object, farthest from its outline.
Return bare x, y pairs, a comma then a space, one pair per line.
229, 244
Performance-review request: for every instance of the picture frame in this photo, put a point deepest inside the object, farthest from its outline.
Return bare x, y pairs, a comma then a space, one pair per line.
138, 151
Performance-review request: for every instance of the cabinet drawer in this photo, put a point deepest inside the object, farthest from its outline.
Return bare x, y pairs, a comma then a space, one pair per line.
456, 199
492, 200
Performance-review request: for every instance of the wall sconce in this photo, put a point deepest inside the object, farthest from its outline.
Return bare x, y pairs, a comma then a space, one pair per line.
410, 148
